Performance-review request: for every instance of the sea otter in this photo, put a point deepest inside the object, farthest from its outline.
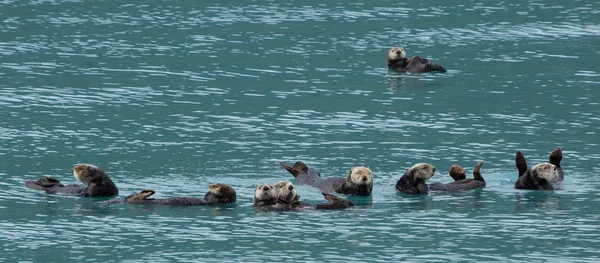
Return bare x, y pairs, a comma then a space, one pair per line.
413, 181
358, 182
283, 197
538, 177
96, 181
218, 194
397, 61
555, 158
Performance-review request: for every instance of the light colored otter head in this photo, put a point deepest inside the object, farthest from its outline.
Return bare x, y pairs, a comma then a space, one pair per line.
422, 171
86, 173
224, 192
265, 193
396, 53
143, 195
545, 171
360, 175
286, 192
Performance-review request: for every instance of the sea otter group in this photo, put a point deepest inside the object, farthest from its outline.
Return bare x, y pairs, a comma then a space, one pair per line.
282, 196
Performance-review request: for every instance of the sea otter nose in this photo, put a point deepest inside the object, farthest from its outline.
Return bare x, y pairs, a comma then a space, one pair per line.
291, 188
554, 168
265, 188
364, 178
398, 52
434, 169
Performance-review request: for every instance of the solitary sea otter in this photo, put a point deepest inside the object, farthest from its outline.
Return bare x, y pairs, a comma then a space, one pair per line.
283, 197
413, 181
358, 182
217, 194
96, 181
397, 61
555, 158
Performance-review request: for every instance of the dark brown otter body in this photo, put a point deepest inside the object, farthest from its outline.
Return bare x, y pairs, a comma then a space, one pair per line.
218, 194
397, 61
96, 183
353, 184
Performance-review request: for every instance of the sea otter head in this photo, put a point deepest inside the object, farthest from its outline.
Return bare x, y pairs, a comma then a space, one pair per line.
360, 175
223, 192
265, 193
395, 54
544, 171
457, 172
87, 173
143, 195
422, 171
286, 192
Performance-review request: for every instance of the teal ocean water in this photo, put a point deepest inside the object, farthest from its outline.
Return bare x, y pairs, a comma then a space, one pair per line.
174, 96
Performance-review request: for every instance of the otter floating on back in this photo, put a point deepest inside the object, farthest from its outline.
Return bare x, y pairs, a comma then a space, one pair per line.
413, 181
397, 61
96, 181
218, 194
540, 176
282, 196
358, 182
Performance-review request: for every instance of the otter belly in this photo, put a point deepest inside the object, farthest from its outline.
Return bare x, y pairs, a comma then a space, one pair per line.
465, 184
174, 201
72, 189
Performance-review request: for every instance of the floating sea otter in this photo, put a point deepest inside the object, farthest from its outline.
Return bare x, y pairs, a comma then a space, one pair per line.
283, 197
413, 181
358, 182
218, 194
540, 176
96, 181
397, 61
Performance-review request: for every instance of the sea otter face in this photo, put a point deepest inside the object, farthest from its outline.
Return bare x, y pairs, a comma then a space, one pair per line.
396, 53
422, 171
85, 173
223, 192
264, 192
545, 171
286, 192
360, 175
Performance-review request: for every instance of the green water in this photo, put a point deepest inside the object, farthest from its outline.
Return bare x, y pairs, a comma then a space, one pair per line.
175, 96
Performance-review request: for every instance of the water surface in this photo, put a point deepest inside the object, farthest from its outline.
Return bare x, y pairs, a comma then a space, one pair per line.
175, 96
